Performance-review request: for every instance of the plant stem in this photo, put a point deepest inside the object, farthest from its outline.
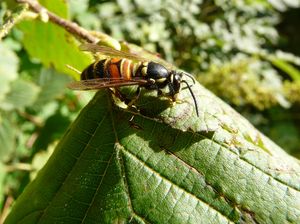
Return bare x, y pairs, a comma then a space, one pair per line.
14, 18
69, 26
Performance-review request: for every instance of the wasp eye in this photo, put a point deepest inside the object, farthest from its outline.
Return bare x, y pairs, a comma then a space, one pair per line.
157, 71
178, 77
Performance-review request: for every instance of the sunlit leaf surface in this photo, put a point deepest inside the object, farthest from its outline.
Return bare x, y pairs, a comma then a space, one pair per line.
163, 165
51, 44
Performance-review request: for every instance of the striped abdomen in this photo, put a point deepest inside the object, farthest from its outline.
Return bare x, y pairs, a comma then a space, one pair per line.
114, 68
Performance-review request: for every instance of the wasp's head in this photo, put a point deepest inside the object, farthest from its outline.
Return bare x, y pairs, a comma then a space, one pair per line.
175, 79
161, 77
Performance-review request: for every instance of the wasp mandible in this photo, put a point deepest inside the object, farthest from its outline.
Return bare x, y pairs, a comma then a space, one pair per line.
125, 69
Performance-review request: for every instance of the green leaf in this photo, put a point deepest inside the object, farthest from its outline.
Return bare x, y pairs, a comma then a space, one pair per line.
23, 93
2, 178
51, 44
8, 69
78, 7
165, 165
8, 134
52, 85
293, 72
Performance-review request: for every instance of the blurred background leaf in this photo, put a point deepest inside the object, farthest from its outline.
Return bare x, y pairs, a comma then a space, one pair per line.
17, 98
51, 45
8, 69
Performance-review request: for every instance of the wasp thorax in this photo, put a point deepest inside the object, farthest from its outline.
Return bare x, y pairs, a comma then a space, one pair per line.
157, 71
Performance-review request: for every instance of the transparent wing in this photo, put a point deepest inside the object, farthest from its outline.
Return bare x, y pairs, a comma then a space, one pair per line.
110, 52
94, 84
136, 56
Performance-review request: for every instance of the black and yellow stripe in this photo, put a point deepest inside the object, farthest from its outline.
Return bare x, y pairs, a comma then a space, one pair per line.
115, 68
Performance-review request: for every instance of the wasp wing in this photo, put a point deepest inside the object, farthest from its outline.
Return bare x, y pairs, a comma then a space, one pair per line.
94, 84
113, 53
110, 52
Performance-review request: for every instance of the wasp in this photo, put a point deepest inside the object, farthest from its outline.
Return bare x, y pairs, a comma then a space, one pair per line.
125, 69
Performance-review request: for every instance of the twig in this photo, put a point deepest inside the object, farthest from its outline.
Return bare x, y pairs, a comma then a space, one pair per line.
69, 26
6, 208
14, 18
37, 122
18, 166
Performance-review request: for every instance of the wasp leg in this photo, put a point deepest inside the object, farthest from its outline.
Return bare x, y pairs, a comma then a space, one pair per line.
117, 93
135, 98
126, 103
175, 101
173, 95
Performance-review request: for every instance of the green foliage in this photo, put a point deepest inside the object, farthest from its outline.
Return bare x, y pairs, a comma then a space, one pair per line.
11, 18
17, 98
49, 34
201, 36
7, 136
219, 41
33, 99
145, 171
8, 69
289, 69
32, 102
292, 91
239, 84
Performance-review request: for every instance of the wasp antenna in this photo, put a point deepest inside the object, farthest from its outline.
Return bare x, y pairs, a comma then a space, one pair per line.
193, 95
190, 76
73, 69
